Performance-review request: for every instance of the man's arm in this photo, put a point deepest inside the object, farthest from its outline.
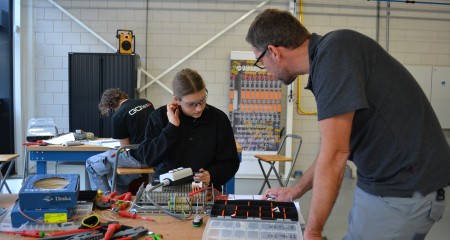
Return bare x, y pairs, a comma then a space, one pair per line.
328, 171
305, 183
286, 194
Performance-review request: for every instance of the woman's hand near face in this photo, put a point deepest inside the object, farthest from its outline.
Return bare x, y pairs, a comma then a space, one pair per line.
173, 113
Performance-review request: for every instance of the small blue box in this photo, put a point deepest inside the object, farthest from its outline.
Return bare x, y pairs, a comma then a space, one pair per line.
19, 215
50, 191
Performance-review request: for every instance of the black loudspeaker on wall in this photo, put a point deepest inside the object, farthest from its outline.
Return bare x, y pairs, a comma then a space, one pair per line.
126, 41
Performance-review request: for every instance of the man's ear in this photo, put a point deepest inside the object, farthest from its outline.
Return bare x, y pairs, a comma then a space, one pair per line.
275, 52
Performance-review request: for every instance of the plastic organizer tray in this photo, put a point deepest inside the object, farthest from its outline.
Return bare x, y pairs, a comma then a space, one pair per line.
220, 229
259, 209
82, 209
253, 219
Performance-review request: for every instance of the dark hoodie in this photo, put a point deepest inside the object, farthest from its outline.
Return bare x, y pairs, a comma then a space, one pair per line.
206, 142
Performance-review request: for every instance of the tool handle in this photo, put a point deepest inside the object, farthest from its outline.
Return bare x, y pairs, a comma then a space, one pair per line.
32, 233
128, 196
112, 228
120, 197
124, 205
113, 194
109, 197
27, 233
127, 214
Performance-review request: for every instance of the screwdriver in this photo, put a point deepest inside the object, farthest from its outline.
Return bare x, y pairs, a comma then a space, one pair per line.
27, 233
130, 215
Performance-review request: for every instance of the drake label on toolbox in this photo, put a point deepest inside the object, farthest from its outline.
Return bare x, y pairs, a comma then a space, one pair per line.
49, 191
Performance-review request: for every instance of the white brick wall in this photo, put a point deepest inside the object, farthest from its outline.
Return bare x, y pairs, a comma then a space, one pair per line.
419, 34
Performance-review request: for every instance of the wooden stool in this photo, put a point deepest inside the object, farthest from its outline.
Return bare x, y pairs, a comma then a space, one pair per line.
4, 159
147, 170
147, 176
120, 171
273, 159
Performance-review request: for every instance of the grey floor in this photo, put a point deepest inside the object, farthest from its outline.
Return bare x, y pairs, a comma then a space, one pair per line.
336, 226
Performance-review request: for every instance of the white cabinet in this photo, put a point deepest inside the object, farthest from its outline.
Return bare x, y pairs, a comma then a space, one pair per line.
440, 94
423, 75
435, 82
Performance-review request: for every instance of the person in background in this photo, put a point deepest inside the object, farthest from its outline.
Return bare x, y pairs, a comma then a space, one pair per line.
128, 121
371, 111
190, 133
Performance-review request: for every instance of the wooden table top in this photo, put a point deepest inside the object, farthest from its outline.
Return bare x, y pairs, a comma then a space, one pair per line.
61, 148
8, 157
170, 227
274, 158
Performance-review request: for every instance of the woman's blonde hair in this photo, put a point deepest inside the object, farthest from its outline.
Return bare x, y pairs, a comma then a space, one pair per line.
187, 81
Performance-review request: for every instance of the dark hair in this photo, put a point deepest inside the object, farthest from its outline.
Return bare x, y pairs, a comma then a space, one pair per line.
110, 100
278, 28
187, 81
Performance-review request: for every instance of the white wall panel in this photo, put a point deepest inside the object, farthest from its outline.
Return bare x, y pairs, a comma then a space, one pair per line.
435, 82
423, 77
440, 94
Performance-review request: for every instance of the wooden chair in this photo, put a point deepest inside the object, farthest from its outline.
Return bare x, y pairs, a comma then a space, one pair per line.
119, 170
272, 159
4, 159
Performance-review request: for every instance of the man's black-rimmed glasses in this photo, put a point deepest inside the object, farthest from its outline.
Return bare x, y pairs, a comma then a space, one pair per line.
258, 62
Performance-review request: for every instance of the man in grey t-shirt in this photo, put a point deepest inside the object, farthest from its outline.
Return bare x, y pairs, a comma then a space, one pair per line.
371, 111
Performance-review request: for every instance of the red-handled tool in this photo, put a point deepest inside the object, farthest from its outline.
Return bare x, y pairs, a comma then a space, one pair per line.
128, 196
37, 143
124, 197
111, 196
122, 202
105, 201
112, 228
131, 215
27, 233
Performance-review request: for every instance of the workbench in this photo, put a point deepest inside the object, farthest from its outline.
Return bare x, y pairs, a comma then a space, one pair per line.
168, 226
58, 153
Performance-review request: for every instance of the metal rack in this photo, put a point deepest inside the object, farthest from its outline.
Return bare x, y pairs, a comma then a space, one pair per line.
177, 199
